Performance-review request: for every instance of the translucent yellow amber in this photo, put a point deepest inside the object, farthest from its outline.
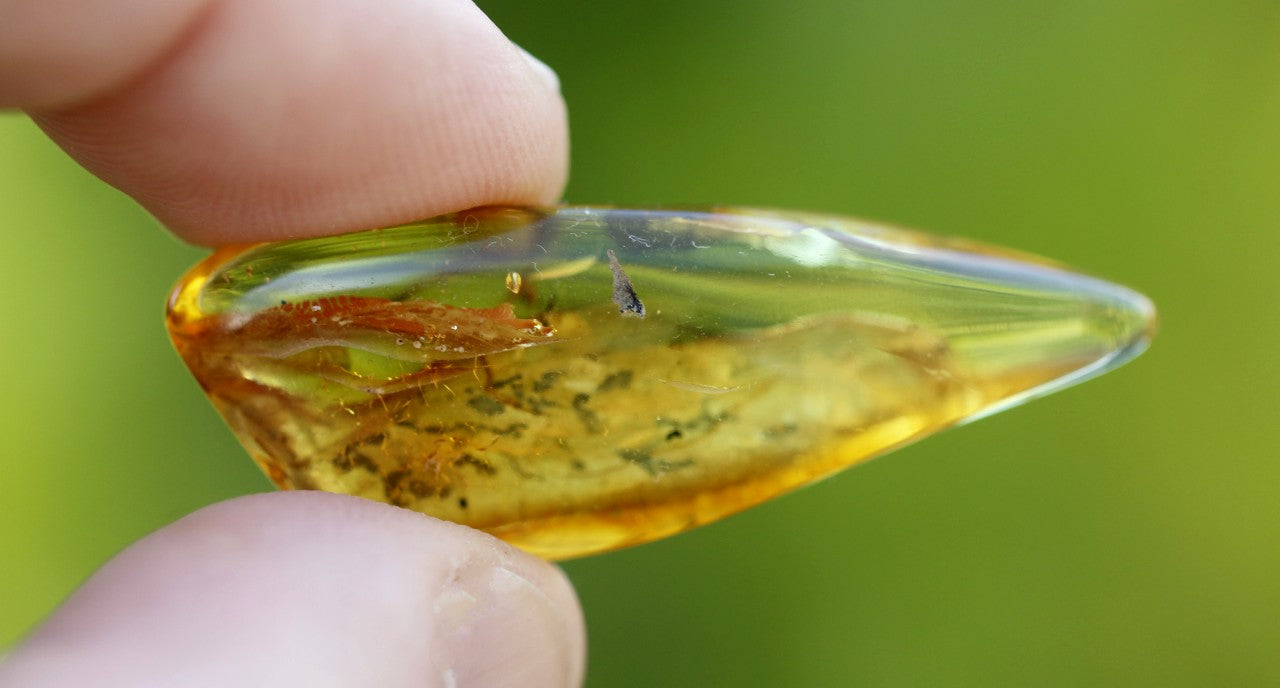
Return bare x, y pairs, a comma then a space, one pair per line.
576, 380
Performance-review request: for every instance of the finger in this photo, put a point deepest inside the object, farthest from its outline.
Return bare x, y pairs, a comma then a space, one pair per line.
314, 589
239, 120
57, 51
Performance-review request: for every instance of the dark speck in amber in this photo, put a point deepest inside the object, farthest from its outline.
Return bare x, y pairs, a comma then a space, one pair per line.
582, 379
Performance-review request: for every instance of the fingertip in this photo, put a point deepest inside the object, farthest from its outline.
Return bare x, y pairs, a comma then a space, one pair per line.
310, 588
292, 118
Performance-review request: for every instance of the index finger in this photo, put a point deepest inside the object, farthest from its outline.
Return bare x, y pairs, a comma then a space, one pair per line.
236, 120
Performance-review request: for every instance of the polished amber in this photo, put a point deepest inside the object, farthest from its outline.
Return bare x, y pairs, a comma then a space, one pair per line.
578, 379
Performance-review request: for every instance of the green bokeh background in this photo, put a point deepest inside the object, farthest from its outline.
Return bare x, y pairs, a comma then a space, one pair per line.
1125, 532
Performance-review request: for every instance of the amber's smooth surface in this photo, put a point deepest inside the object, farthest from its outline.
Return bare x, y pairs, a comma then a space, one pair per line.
579, 379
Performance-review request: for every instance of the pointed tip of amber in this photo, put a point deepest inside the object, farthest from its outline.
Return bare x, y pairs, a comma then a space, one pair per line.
1114, 325
1136, 323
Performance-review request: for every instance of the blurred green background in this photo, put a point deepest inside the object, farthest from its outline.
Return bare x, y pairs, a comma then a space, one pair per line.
1124, 533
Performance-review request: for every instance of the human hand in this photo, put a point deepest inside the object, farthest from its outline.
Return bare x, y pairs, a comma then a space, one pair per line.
247, 121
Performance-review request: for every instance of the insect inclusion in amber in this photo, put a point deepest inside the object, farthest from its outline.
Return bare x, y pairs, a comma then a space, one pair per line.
581, 379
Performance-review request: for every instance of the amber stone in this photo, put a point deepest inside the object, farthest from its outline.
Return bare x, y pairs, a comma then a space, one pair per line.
575, 380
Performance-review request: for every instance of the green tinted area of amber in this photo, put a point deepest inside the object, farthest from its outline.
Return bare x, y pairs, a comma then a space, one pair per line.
490, 367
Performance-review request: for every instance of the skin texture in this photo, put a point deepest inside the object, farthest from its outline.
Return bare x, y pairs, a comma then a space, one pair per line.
240, 120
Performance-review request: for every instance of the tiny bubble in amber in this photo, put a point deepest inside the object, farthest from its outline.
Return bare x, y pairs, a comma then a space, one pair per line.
576, 380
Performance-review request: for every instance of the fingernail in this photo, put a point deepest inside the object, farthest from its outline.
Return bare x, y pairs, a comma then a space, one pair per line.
547, 74
501, 629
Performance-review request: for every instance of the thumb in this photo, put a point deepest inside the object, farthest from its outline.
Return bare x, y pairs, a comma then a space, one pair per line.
314, 589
